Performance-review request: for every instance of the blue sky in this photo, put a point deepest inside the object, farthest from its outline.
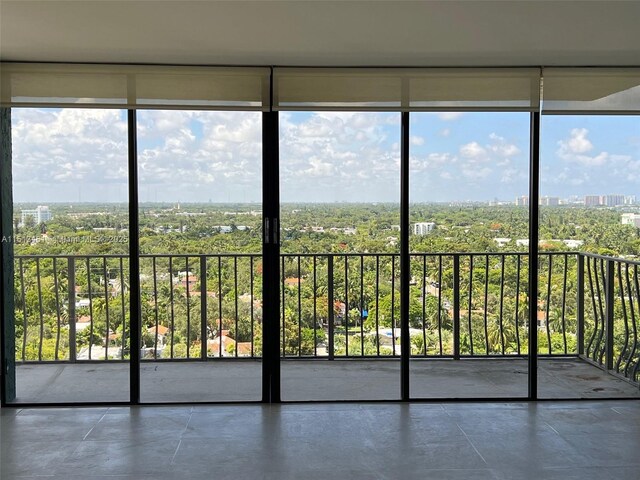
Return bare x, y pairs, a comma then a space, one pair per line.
80, 155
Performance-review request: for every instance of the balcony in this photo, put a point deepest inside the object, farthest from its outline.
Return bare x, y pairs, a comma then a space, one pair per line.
339, 326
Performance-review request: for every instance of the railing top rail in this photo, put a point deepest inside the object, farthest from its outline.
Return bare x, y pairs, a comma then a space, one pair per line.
331, 254
607, 257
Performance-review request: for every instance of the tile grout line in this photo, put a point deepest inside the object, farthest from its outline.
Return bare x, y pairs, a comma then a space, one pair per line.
472, 445
553, 429
173, 458
94, 426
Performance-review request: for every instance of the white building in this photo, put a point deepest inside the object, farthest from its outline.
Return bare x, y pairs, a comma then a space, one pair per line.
502, 241
423, 228
40, 215
631, 219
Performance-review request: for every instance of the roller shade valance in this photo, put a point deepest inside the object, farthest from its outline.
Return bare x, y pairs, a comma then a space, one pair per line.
406, 89
124, 86
591, 90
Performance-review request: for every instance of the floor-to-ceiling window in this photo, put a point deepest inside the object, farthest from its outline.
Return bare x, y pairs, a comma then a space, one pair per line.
340, 265
589, 237
469, 172
200, 193
363, 161
70, 240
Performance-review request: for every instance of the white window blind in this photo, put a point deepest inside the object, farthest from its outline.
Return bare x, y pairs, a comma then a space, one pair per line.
124, 86
407, 89
591, 90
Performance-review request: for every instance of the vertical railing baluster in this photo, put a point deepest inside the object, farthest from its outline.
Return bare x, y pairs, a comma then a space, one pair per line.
173, 323
636, 367
220, 306
282, 305
440, 303
470, 304
251, 270
456, 307
564, 303
486, 306
424, 304
186, 259
39, 283
609, 317
204, 337
580, 304
315, 307
623, 352
57, 297
501, 308
123, 309
377, 304
634, 327
517, 307
106, 307
299, 308
235, 294
90, 306
601, 345
330, 306
362, 305
346, 304
24, 311
591, 346
71, 278
548, 304
393, 304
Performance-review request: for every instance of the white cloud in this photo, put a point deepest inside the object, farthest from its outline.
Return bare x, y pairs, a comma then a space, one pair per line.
500, 146
475, 174
472, 150
445, 132
417, 140
448, 116
574, 149
578, 142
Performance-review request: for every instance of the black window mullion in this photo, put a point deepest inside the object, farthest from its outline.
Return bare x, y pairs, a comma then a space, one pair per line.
534, 211
134, 262
405, 277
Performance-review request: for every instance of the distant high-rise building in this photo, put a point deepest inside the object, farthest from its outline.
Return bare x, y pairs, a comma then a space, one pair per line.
549, 201
592, 200
630, 200
522, 201
612, 200
40, 215
423, 228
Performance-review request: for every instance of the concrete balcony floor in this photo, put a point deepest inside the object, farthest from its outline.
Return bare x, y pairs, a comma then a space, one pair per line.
343, 379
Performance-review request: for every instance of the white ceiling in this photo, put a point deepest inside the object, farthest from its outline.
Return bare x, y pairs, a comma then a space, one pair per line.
331, 33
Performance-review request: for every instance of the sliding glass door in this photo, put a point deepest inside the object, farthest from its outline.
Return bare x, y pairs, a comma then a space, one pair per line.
340, 265
200, 216
71, 256
469, 242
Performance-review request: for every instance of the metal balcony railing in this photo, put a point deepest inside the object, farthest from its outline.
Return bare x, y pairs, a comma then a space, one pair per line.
199, 307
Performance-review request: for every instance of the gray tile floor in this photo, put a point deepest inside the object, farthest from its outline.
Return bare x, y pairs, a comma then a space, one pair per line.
500, 441
230, 380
